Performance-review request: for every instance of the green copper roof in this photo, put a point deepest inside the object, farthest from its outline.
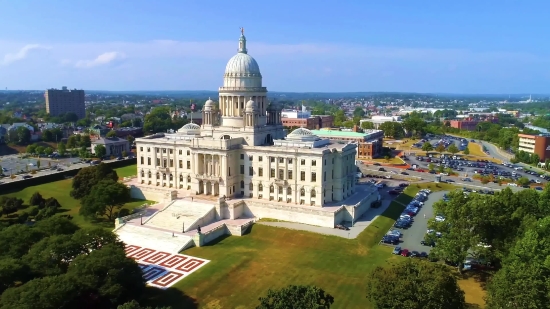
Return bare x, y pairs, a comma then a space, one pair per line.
333, 133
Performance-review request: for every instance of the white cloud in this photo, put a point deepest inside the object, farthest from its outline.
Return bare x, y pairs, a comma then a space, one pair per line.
103, 59
22, 53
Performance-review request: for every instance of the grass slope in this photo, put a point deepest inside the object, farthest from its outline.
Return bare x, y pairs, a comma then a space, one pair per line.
244, 268
60, 190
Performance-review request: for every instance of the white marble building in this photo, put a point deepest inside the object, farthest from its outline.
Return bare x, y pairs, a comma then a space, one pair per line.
241, 158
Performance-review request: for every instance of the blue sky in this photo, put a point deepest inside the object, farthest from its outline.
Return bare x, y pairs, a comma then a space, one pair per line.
302, 45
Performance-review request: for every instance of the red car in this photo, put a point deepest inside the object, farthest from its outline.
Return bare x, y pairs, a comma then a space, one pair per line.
405, 252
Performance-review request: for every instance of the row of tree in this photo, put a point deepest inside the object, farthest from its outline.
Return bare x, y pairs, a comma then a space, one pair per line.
508, 231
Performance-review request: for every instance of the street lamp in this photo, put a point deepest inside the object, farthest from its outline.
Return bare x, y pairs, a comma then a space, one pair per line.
183, 227
141, 219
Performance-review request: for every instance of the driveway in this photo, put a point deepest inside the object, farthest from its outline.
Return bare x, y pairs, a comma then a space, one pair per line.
415, 234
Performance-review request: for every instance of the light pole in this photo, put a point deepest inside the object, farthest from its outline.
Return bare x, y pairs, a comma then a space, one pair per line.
141, 219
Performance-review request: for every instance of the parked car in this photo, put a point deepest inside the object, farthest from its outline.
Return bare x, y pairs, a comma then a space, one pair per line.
405, 252
396, 250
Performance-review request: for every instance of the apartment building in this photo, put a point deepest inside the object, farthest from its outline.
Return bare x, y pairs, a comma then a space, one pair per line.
539, 144
64, 101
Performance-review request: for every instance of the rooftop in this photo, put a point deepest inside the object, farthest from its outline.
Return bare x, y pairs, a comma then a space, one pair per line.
334, 133
109, 140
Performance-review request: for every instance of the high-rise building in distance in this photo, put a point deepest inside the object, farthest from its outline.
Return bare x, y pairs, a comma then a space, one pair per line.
64, 101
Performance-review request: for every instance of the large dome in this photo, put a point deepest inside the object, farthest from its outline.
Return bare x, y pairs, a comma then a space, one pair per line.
241, 64
302, 134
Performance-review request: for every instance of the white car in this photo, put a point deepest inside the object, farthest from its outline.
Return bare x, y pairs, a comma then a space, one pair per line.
511, 184
439, 218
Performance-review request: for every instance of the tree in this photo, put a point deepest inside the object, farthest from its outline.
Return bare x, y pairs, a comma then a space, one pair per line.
12, 271
296, 296
523, 181
40, 149
100, 151
85, 141
31, 148
459, 235
130, 139
48, 151
440, 148
61, 149
367, 125
36, 199
466, 151
523, 281
434, 287
124, 153
453, 149
359, 112
90, 176
56, 226
104, 198
392, 129
431, 167
427, 147
23, 135
10, 204
71, 142
111, 133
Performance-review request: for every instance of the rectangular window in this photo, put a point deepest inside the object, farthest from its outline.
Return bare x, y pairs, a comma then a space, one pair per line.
229, 173
181, 163
289, 175
250, 158
313, 163
188, 152
188, 165
303, 176
260, 172
242, 169
250, 171
157, 150
272, 173
148, 149
302, 162
148, 161
181, 152
242, 156
289, 161
163, 162
171, 151
260, 158
171, 163
140, 148
158, 162
324, 176
163, 150
142, 160
281, 174
281, 160
272, 159
313, 177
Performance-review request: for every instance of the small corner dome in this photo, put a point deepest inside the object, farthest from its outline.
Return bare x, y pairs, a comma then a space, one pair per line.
302, 134
250, 105
190, 129
209, 104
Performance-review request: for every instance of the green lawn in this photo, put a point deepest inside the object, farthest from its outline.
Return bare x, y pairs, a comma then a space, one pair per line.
241, 269
130, 170
60, 191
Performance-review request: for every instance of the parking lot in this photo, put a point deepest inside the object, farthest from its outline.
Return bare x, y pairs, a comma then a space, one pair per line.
412, 236
13, 164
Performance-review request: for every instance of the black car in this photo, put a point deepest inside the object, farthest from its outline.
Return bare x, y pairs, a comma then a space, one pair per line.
404, 184
404, 173
381, 169
423, 254
429, 243
389, 239
414, 254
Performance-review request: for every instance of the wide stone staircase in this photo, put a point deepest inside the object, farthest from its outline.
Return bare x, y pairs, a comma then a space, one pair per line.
153, 239
183, 214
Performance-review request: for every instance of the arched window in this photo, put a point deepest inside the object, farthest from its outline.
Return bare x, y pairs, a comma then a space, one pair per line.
163, 176
149, 174
158, 175
188, 179
280, 190
289, 191
181, 178
171, 177
142, 174
271, 189
250, 186
302, 192
260, 187
313, 194
242, 184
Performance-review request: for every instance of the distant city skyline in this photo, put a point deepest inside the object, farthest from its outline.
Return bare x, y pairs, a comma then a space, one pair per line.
464, 48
